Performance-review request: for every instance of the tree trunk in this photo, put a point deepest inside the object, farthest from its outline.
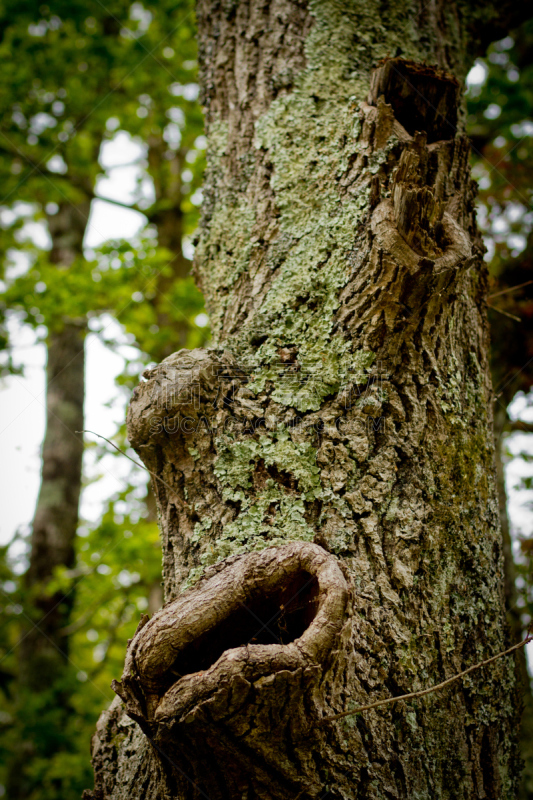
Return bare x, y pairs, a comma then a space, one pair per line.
54, 526
168, 220
513, 612
56, 516
326, 480
43, 690
166, 175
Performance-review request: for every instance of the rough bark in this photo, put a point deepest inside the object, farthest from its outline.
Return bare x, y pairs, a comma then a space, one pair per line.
168, 220
342, 419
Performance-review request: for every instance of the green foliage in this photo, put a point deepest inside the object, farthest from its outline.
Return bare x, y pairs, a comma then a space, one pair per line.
118, 565
500, 125
45, 749
74, 75
122, 278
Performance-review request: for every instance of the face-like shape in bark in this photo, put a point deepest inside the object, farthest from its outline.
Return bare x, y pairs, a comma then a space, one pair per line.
264, 614
339, 241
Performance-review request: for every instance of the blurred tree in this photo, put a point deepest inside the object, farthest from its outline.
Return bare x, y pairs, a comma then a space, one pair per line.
49, 148
500, 124
74, 78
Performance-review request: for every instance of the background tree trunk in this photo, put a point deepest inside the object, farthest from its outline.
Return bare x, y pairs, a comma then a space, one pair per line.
326, 486
514, 619
43, 648
56, 514
168, 219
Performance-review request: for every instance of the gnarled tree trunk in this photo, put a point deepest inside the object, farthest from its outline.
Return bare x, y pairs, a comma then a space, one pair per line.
325, 482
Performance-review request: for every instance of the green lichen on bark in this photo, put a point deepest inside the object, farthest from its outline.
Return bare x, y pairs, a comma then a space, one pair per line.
348, 39
237, 460
309, 136
355, 385
272, 514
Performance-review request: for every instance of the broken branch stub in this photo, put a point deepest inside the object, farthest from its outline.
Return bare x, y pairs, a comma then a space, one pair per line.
185, 386
264, 615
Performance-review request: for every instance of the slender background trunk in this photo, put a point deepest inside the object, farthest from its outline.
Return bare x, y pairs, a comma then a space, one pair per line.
43, 648
166, 174
514, 618
56, 515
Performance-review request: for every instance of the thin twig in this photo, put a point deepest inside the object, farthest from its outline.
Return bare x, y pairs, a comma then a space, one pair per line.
138, 463
511, 289
436, 688
505, 313
518, 425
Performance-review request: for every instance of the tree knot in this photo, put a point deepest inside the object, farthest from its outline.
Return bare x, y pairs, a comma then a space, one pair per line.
218, 647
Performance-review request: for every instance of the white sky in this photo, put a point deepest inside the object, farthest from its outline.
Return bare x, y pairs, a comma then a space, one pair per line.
22, 399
